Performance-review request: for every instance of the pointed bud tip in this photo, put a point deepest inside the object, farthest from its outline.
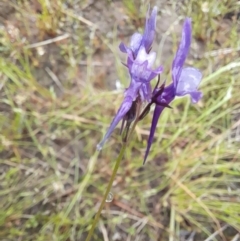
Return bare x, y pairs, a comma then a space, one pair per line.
188, 23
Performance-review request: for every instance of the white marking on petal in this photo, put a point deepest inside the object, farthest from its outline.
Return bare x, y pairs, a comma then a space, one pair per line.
143, 56
189, 81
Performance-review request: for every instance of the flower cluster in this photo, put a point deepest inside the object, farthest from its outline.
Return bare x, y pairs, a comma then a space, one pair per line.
140, 59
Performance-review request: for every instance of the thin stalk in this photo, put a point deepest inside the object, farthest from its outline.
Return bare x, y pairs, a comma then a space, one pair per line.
117, 163
172, 224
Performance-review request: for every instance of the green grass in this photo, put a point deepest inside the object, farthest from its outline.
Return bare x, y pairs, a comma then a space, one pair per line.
56, 105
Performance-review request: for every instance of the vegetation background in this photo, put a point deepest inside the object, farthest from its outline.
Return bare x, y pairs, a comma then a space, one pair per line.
61, 82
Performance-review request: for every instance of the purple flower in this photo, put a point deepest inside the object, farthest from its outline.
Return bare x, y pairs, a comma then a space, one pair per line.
139, 64
185, 81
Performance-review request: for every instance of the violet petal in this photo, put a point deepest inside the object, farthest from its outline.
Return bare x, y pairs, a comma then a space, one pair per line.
135, 43
145, 91
155, 72
166, 96
124, 108
196, 96
188, 83
123, 48
144, 56
149, 32
182, 51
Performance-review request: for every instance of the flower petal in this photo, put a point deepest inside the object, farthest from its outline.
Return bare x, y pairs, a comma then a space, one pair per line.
196, 96
144, 56
123, 48
149, 32
188, 83
140, 71
132, 90
182, 51
166, 96
135, 43
155, 73
145, 92
124, 108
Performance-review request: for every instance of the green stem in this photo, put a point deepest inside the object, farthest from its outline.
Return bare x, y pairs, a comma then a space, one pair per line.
117, 163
